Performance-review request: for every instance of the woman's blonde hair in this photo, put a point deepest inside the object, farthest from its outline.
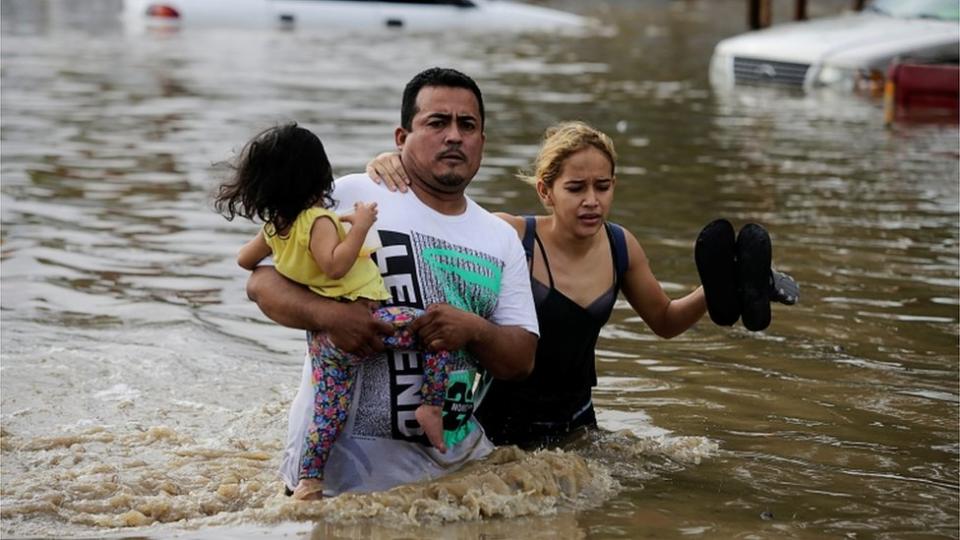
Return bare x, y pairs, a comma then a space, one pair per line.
562, 140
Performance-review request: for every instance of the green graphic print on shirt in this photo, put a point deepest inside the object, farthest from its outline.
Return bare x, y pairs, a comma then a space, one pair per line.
456, 269
469, 281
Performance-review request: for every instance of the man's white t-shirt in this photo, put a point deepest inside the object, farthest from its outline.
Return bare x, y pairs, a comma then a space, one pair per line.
472, 261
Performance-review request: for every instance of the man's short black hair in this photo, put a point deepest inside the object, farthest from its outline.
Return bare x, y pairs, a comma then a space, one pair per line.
435, 76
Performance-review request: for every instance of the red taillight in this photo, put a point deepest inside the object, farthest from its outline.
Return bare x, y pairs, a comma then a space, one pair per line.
162, 11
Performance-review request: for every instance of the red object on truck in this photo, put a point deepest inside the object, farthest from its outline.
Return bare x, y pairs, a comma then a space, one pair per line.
922, 91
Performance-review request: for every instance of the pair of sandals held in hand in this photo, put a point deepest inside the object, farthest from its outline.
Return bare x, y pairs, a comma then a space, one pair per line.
737, 278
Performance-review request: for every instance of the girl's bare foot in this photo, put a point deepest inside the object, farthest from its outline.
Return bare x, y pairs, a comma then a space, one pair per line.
431, 420
309, 489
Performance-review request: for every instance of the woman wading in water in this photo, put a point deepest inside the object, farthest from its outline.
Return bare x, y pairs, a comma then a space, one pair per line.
579, 263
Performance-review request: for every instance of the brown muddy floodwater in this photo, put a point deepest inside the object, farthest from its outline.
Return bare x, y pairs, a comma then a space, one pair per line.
144, 396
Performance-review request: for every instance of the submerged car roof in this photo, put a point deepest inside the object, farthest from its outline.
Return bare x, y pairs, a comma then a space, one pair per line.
475, 15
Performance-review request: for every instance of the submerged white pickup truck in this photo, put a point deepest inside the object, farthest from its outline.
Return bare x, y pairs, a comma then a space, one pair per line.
841, 52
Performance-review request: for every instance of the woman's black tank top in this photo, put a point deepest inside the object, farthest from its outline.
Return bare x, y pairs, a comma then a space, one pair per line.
555, 398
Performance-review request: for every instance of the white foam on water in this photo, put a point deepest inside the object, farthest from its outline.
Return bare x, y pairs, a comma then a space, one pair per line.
118, 392
145, 479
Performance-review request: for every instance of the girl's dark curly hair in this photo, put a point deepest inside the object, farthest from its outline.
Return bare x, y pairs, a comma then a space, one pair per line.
278, 174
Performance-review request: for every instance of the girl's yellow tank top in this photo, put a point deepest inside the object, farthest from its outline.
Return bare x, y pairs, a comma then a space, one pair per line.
292, 257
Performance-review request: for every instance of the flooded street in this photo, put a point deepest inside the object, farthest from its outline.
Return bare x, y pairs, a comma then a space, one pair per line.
143, 396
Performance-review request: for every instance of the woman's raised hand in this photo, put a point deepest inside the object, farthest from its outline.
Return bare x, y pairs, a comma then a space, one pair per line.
387, 168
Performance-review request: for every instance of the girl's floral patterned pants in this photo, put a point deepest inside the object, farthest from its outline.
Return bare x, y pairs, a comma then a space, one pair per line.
334, 372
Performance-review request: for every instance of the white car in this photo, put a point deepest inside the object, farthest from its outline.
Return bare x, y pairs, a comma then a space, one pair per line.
842, 52
416, 15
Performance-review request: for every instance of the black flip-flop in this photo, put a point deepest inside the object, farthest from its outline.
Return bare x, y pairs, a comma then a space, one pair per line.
754, 253
715, 254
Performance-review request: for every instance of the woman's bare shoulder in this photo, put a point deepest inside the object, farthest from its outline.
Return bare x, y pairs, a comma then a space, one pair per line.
517, 222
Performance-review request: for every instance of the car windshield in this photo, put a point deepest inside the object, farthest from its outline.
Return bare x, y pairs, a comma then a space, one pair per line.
947, 10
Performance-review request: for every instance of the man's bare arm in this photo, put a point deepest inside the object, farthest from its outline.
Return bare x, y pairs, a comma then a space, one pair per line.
507, 352
349, 324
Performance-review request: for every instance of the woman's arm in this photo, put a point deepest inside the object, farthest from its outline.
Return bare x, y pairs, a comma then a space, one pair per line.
253, 252
667, 318
388, 169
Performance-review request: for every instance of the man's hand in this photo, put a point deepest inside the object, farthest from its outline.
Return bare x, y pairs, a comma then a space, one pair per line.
444, 327
350, 325
507, 352
356, 331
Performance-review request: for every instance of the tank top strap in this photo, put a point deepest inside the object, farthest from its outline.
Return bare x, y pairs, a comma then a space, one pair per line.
528, 234
529, 237
546, 262
618, 246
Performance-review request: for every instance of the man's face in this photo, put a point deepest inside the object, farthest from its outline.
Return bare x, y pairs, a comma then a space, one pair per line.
443, 149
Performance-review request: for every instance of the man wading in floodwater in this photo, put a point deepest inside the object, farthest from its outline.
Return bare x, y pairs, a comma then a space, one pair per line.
441, 252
